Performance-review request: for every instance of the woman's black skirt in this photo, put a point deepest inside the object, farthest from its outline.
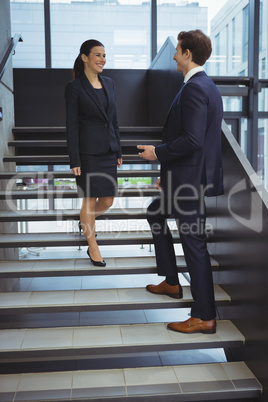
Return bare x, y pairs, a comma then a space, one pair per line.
98, 175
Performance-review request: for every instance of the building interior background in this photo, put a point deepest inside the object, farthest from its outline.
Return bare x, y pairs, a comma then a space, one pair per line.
138, 35
124, 27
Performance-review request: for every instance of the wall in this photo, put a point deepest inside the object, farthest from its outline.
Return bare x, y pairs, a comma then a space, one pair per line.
7, 104
241, 249
39, 96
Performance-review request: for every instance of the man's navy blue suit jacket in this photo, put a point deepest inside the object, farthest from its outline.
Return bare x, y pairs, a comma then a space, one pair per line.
190, 154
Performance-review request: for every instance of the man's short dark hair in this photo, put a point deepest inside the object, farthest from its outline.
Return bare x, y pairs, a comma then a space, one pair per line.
198, 43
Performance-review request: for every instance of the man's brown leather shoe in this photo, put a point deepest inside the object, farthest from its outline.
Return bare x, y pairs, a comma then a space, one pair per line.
194, 325
165, 289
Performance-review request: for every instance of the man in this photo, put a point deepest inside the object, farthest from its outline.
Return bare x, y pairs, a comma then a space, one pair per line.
191, 167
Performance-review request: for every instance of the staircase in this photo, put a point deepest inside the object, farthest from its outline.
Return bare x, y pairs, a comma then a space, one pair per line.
72, 331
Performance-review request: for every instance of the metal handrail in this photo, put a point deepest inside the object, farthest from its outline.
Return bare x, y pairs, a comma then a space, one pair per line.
13, 43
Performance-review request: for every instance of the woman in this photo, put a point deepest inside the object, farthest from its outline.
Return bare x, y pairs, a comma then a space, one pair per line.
93, 140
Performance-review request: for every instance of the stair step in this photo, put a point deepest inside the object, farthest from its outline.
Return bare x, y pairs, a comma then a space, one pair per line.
79, 342
215, 381
37, 159
31, 194
62, 143
69, 214
75, 239
39, 143
61, 301
122, 129
69, 174
82, 267
59, 159
35, 130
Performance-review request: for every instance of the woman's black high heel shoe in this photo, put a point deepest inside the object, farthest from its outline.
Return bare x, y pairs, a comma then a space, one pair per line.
97, 263
80, 228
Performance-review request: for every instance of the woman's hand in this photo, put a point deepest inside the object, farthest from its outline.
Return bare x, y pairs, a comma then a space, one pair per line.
76, 171
157, 184
119, 162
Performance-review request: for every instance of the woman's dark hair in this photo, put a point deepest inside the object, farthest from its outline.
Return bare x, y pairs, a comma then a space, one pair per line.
198, 43
85, 48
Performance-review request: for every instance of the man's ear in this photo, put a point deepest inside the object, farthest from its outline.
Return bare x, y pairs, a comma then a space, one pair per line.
188, 53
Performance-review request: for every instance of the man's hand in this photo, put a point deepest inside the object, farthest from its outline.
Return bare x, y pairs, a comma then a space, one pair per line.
119, 162
76, 171
148, 152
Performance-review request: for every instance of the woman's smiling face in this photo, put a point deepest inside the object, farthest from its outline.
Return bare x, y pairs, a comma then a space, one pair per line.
96, 59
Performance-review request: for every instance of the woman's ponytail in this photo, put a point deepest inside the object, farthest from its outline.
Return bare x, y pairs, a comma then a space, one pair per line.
78, 67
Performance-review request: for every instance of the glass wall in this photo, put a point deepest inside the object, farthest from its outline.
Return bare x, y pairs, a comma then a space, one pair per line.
124, 26
262, 151
124, 30
27, 19
229, 36
175, 16
263, 40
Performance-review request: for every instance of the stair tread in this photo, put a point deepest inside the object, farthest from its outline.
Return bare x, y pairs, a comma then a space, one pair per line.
65, 239
63, 158
81, 266
109, 339
96, 299
35, 215
63, 129
122, 384
30, 193
69, 174
63, 143
30, 157
72, 214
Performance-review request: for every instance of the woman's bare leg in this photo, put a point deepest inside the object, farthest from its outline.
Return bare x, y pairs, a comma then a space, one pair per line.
92, 207
103, 204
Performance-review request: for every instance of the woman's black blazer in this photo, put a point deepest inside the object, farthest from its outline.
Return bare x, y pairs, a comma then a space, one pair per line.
89, 128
